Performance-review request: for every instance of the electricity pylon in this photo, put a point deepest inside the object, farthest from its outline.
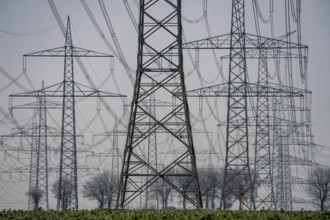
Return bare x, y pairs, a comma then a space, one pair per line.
68, 90
262, 179
237, 142
39, 173
39, 131
152, 154
242, 46
161, 33
281, 162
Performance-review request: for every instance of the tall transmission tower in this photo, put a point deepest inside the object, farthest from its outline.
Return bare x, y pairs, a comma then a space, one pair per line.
39, 173
160, 31
34, 170
38, 178
68, 158
39, 131
242, 46
281, 160
68, 90
262, 178
237, 142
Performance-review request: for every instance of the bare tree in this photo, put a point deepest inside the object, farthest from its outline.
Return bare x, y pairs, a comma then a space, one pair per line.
101, 188
112, 182
210, 181
163, 190
67, 192
318, 186
35, 195
94, 190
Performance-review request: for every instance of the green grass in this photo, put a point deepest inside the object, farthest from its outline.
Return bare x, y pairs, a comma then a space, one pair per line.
161, 215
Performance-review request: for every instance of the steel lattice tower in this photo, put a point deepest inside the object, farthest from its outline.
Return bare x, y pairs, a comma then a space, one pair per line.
33, 159
68, 151
38, 179
41, 181
160, 31
115, 155
281, 162
38, 172
68, 90
244, 46
115, 151
237, 146
263, 178
152, 152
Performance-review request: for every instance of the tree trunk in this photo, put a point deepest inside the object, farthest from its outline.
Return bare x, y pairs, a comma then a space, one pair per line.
207, 200
221, 205
322, 205
101, 204
213, 204
184, 199
165, 203
109, 201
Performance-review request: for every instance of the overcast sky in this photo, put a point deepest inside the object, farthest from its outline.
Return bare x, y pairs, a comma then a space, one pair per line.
29, 26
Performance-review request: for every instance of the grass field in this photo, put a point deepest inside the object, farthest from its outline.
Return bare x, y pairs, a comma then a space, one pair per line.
161, 215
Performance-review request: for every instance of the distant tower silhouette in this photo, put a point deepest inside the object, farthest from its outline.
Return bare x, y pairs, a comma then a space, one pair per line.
39, 173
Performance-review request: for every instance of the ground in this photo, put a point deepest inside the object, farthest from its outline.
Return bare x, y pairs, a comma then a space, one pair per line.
107, 214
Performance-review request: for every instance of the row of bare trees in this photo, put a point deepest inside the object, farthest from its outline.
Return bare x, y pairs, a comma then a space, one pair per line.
102, 188
211, 185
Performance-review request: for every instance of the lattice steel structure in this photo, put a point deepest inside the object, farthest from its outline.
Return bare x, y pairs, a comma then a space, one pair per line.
115, 151
160, 31
237, 142
68, 90
152, 155
243, 46
281, 161
39, 132
34, 168
40, 179
262, 165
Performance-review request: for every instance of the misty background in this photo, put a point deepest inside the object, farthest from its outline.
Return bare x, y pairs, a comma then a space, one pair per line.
29, 26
